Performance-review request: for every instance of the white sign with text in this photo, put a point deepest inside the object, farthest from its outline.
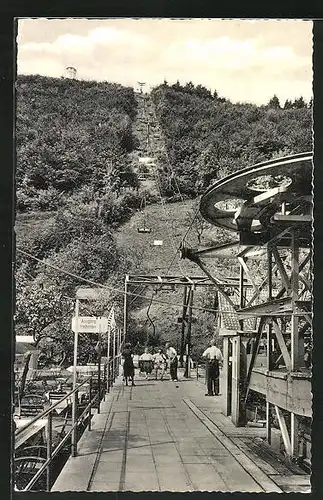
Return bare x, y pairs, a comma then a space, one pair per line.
90, 324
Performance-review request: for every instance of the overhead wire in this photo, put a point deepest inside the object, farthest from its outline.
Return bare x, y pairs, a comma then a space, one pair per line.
157, 183
183, 238
171, 237
108, 287
169, 231
169, 167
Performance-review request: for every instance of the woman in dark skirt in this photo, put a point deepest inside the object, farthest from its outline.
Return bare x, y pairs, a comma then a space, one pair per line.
128, 366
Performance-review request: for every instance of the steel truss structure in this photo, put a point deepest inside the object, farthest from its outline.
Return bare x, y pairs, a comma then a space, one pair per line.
190, 283
269, 206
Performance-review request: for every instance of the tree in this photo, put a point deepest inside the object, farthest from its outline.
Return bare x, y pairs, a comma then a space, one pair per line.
299, 103
288, 104
39, 304
274, 102
85, 125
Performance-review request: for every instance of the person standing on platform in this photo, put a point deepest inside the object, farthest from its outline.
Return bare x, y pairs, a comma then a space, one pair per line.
173, 361
160, 363
128, 366
213, 358
146, 362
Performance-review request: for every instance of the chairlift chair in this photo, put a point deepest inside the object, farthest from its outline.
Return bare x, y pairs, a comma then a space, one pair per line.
144, 229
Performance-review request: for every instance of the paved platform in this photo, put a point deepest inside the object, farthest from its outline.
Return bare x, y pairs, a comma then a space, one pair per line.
167, 436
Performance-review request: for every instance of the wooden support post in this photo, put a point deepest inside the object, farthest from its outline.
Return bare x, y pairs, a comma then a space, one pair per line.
198, 261
104, 380
297, 344
49, 450
114, 356
99, 369
235, 401
74, 400
225, 377
120, 349
269, 338
125, 309
243, 265
189, 330
90, 408
284, 430
282, 345
270, 297
181, 358
281, 268
268, 423
253, 356
74, 419
117, 352
294, 433
108, 359
241, 288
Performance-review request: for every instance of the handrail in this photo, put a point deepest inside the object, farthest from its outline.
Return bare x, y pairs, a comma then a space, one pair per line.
58, 448
44, 413
51, 453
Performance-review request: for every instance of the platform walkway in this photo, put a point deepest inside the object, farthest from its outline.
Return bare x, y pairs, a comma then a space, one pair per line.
167, 436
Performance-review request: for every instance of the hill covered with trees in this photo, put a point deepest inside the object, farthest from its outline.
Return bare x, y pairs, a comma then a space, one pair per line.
77, 193
69, 135
208, 137
74, 185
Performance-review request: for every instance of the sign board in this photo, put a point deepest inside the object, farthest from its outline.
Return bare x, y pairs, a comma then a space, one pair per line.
158, 243
90, 324
225, 332
85, 324
89, 293
146, 159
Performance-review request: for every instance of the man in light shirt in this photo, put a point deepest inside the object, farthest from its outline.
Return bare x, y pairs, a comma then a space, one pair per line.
213, 357
173, 361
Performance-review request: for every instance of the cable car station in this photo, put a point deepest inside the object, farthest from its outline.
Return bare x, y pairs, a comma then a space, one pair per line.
256, 435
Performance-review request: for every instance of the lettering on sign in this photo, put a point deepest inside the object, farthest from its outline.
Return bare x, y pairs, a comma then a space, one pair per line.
90, 324
85, 324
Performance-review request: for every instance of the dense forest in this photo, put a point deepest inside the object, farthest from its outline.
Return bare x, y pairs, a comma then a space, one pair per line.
70, 135
208, 137
77, 189
73, 145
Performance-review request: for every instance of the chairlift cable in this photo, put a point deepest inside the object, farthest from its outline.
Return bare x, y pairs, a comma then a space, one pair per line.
150, 319
113, 289
183, 239
169, 166
157, 182
171, 238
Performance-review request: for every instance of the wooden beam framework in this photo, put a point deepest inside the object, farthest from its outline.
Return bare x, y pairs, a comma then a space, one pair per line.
273, 222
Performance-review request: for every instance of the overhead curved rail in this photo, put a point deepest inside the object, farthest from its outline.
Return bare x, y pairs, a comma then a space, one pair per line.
249, 198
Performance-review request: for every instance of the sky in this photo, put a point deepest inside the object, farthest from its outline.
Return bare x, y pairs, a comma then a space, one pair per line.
243, 60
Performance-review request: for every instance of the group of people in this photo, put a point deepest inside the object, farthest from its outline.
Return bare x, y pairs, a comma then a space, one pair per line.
162, 359
158, 362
